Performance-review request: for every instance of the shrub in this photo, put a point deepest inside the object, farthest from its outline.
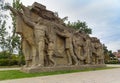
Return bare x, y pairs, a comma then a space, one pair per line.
4, 55
8, 62
7, 59
4, 62
112, 62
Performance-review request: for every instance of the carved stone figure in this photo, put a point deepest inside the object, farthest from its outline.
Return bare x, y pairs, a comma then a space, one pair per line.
69, 46
50, 51
47, 42
39, 32
28, 44
78, 47
94, 50
88, 51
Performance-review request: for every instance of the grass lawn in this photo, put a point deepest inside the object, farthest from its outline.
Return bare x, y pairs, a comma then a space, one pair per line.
14, 74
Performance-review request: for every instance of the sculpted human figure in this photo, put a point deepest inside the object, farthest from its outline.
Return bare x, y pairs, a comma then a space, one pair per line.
88, 51
102, 55
50, 51
28, 48
77, 44
39, 32
93, 50
97, 51
69, 46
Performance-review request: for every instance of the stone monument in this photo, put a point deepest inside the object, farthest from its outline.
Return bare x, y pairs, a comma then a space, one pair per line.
49, 45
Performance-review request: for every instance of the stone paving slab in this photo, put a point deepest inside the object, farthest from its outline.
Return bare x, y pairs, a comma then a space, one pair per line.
101, 76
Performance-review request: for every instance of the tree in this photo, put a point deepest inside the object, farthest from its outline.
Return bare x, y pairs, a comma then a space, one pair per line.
3, 7
3, 32
111, 54
15, 43
105, 49
15, 38
106, 54
80, 25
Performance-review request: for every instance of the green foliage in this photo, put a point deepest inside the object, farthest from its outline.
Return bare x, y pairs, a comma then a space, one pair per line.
106, 54
17, 4
4, 62
4, 55
21, 60
111, 54
105, 49
82, 26
2, 9
11, 62
14, 40
9, 43
8, 59
8, 62
112, 62
3, 34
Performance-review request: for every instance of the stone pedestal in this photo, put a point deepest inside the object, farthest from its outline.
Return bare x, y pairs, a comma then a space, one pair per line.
60, 68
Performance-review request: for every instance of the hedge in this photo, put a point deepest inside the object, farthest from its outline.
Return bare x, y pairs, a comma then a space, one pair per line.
112, 62
10, 62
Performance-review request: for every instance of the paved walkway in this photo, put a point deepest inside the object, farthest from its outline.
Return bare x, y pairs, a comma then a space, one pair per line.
101, 76
3, 69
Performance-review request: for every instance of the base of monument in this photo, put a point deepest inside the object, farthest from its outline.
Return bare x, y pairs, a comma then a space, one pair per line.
60, 68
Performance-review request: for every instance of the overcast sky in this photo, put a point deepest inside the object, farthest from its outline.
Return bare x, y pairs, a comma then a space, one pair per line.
103, 16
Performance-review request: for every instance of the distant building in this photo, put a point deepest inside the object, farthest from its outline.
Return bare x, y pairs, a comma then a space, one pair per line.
117, 54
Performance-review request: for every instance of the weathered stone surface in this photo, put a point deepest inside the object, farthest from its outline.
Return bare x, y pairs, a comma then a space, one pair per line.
48, 45
60, 68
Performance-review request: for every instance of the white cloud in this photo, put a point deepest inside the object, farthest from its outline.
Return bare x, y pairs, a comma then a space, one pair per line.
114, 45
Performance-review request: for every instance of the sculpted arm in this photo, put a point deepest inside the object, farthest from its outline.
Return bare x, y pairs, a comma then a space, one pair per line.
23, 7
28, 22
25, 10
13, 10
61, 34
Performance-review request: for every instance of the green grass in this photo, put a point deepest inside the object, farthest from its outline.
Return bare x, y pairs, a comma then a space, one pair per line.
15, 74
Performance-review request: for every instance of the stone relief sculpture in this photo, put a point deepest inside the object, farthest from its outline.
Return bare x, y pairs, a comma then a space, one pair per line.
88, 51
39, 31
78, 44
50, 50
69, 46
46, 41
